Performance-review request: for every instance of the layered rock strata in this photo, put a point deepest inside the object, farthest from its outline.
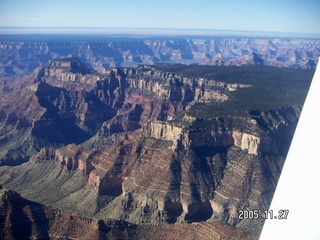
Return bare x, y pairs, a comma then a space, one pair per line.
24, 219
22, 54
131, 144
176, 174
66, 102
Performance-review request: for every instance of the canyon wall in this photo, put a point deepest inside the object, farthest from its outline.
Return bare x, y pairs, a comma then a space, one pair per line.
24, 219
20, 57
144, 145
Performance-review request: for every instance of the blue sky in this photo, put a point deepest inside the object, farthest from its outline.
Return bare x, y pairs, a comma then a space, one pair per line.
301, 16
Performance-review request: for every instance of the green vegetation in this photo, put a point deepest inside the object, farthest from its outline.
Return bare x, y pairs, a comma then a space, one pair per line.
236, 74
272, 87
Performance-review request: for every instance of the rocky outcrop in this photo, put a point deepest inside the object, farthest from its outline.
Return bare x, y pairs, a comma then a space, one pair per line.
246, 141
177, 174
178, 88
21, 57
183, 137
66, 96
163, 130
67, 70
23, 219
145, 145
188, 137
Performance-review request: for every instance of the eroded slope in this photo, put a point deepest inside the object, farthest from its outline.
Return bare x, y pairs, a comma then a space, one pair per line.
150, 144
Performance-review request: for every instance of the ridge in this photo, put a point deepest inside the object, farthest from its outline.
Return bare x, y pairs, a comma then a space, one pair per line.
152, 144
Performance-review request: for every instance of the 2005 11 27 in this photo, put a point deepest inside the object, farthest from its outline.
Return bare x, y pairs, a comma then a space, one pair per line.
267, 214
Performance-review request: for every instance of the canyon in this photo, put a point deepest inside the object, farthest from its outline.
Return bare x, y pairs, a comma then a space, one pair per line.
43, 222
144, 150
21, 54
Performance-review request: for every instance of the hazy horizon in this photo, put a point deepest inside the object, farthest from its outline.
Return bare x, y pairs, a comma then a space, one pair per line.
147, 32
272, 16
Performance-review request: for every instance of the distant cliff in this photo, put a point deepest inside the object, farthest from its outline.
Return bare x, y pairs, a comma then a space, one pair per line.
167, 143
21, 56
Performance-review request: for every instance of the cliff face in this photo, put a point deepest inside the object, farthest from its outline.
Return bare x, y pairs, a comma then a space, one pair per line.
67, 97
173, 173
173, 87
19, 57
203, 162
264, 133
24, 219
144, 145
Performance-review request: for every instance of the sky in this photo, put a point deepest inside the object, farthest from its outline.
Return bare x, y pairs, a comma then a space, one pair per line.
297, 16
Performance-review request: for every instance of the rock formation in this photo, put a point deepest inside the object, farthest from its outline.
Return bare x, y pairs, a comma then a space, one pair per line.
24, 219
146, 145
22, 54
